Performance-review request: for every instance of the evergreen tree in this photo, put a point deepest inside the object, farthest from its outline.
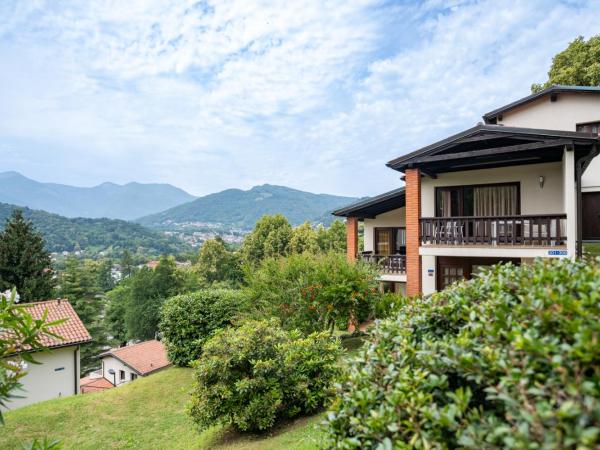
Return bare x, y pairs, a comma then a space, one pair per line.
105, 279
127, 265
79, 284
24, 262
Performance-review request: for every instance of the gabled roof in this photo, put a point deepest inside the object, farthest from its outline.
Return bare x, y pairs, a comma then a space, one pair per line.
491, 116
72, 330
373, 206
145, 357
89, 384
493, 146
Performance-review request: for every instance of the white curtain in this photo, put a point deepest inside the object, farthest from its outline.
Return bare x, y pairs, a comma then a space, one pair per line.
495, 200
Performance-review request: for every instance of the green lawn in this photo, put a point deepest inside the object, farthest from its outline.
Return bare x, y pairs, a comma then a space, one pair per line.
592, 249
146, 414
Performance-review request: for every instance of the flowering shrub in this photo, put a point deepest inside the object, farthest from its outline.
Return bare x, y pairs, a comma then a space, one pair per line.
257, 373
510, 359
313, 292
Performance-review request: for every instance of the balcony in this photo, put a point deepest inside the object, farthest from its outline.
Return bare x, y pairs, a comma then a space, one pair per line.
386, 264
530, 230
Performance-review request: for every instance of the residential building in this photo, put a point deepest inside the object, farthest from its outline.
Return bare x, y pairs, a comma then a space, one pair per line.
57, 375
522, 185
94, 382
125, 364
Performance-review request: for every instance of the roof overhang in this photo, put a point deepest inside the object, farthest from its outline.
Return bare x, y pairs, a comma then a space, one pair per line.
490, 146
373, 206
492, 116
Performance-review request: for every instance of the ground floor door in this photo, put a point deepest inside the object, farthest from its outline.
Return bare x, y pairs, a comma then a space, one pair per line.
451, 269
591, 215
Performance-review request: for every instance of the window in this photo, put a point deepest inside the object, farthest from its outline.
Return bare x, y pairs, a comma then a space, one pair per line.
121, 375
591, 127
477, 200
390, 241
133, 376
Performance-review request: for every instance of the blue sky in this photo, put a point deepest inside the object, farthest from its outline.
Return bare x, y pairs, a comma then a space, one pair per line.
312, 94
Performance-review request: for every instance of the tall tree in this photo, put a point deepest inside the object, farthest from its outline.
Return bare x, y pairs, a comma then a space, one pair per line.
332, 239
270, 237
24, 262
304, 239
79, 283
578, 64
127, 265
216, 263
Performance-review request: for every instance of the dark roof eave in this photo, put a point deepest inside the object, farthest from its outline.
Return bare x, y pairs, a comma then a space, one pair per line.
351, 210
403, 162
556, 89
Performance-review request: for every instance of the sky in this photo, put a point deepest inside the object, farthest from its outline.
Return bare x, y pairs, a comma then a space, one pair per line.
315, 95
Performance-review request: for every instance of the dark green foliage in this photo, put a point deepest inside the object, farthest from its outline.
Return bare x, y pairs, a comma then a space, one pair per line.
79, 283
95, 235
508, 360
388, 304
332, 239
188, 320
217, 264
256, 374
24, 262
313, 292
134, 307
577, 65
242, 209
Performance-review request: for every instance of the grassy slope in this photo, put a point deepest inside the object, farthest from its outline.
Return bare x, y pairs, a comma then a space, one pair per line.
149, 413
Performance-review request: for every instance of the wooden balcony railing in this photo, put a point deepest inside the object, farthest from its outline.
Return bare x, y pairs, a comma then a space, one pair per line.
542, 230
390, 264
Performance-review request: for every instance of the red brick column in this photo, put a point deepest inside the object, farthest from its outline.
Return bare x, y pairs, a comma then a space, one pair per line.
413, 214
351, 238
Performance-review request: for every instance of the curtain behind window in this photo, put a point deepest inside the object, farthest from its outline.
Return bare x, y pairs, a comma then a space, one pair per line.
495, 200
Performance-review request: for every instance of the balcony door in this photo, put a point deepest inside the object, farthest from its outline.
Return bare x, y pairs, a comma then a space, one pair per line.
390, 241
487, 200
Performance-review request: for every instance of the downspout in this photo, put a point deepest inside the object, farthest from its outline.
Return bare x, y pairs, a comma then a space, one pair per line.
76, 369
578, 173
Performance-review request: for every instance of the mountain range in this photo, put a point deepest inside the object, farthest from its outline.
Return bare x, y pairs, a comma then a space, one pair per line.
110, 200
241, 209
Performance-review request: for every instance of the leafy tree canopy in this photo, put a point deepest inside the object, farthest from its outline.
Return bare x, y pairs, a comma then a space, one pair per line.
578, 65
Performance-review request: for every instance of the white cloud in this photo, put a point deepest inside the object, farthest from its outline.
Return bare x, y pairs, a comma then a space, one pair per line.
216, 94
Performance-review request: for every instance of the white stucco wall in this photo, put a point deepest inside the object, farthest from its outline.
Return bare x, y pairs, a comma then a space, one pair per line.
534, 200
109, 362
56, 376
564, 114
394, 218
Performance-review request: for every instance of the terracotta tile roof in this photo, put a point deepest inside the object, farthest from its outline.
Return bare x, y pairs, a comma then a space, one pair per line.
144, 357
88, 384
72, 330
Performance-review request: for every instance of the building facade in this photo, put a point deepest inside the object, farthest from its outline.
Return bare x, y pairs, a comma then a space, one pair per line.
525, 184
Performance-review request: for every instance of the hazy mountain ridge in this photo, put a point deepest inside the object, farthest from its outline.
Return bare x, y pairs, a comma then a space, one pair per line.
110, 200
241, 209
94, 235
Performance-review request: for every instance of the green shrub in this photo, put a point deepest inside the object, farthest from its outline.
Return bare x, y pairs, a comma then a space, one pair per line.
388, 304
313, 292
188, 320
257, 373
510, 359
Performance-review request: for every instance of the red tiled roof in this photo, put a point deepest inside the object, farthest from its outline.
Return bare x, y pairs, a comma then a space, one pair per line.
71, 330
94, 384
144, 357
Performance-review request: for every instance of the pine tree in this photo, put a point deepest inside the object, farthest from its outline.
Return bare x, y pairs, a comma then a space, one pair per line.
24, 262
127, 266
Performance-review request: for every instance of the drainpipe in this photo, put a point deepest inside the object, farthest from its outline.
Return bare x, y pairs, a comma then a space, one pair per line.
578, 173
76, 369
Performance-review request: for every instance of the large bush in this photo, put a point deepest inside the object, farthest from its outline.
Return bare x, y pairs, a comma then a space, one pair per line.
188, 320
257, 373
313, 292
508, 360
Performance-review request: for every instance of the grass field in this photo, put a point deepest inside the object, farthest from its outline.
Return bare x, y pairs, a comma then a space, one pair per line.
147, 414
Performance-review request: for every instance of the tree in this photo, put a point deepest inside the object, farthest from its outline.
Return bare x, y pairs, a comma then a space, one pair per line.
332, 239
105, 279
270, 237
127, 266
578, 64
304, 239
24, 262
217, 264
79, 283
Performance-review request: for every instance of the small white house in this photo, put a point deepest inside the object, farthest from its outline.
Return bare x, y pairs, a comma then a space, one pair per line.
125, 364
57, 375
